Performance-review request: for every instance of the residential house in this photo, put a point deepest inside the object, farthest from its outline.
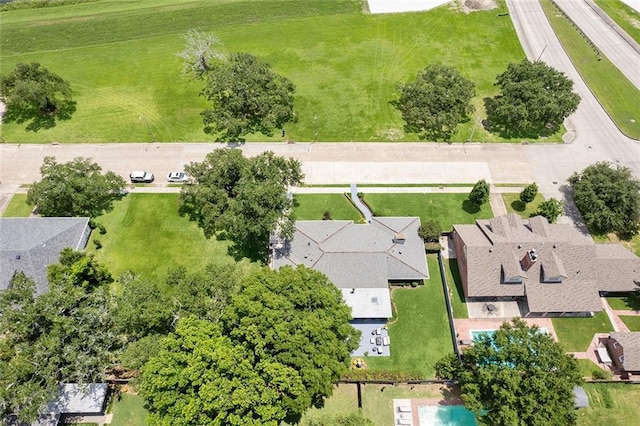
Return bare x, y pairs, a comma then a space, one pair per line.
551, 269
624, 348
31, 244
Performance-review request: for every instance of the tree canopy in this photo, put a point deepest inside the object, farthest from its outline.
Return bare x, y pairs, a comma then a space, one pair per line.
518, 376
435, 102
64, 335
480, 193
529, 193
35, 95
75, 188
550, 209
246, 96
282, 342
242, 199
533, 101
608, 198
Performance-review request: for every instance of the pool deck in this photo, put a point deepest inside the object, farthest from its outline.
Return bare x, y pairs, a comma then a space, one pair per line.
465, 326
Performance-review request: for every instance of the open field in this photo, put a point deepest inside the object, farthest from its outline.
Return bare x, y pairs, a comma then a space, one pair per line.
514, 205
448, 209
313, 206
420, 334
146, 235
611, 404
619, 97
120, 58
575, 334
18, 207
623, 15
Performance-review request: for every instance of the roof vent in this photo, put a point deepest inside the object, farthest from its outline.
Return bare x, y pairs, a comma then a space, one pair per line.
374, 300
17, 257
400, 236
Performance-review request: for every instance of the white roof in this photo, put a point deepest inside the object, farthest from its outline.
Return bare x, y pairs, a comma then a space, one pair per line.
368, 302
74, 398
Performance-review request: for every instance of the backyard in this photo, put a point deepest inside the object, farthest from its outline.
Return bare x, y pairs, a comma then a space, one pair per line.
575, 334
120, 59
611, 404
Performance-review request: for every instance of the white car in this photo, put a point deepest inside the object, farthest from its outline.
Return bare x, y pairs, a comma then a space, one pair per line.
179, 177
141, 177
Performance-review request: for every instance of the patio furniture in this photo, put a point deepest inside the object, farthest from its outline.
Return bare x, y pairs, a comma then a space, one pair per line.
404, 409
372, 340
378, 341
379, 349
378, 331
386, 341
406, 422
374, 349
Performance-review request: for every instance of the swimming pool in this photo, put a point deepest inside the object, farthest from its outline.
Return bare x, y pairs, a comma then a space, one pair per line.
475, 334
445, 415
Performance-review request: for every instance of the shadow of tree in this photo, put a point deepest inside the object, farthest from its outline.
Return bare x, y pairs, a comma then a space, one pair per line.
518, 206
572, 212
469, 207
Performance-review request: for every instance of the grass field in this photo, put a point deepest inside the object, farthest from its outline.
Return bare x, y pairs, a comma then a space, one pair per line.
145, 234
457, 293
619, 97
611, 404
120, 59
623, 15
313, 206
575, 334
128, 411
631, 321
514, 205
18, 207
448, 209
420, 335
587, 367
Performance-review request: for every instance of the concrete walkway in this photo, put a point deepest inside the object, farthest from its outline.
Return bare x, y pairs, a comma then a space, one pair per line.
616, 322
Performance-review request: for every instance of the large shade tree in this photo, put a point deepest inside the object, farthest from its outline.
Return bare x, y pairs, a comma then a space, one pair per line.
282, 342
35, 95
517, 376
63, 335
246, 96
75, 188
608, 198
533, 101
242, 199
436, 102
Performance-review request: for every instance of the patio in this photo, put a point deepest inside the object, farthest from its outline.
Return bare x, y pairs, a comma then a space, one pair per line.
374, 335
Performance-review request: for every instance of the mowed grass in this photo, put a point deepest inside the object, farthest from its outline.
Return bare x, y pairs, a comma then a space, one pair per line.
587, 367
626, 303
120, 58
129, 411
146, 235
313, 206
420, 334
447, 209
575, 334
455, 285
632, 322
611, 404
18, 207
514, 205
625, 16
619, 97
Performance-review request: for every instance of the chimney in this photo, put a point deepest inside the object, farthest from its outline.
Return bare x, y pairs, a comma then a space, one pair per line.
529, 259
400, 237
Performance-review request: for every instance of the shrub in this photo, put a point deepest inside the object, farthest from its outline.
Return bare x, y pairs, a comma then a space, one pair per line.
432, 247
326, 215
430, 231
600, 374
480, 193
97, 243
529, 193
102, 229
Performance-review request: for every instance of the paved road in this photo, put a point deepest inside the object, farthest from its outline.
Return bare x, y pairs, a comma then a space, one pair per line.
624, 53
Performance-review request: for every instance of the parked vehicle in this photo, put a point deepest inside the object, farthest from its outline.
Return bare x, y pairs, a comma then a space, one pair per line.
179, 177
141, 177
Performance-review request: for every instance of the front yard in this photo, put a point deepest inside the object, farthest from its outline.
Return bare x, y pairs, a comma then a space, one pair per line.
313, 206
514, 205
18, 207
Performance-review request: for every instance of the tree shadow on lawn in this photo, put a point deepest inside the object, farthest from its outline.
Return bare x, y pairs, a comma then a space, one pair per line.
518, 206
469, 207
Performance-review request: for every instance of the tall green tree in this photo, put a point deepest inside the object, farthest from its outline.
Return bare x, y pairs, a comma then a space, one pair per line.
75, 188
518, 376
436, 102
608, 198
529, 193
480, 193
242, 199
246, 96
282, 342
533, 101
35, 95
550, 209
64, 335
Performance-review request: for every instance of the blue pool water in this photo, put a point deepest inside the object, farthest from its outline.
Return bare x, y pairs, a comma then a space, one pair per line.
445, 415
475, 334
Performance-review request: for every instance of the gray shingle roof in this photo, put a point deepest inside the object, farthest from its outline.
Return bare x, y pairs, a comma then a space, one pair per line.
73, 398
358, 256
31, 244
630, 343
585, 268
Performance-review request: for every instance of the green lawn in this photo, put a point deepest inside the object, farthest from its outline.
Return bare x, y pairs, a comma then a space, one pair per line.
611, 404
145, 234
120, 59
619, 97
455, 285
575, 334
624, 303
313, 206
129, 411
632, 322
420, 336
18, 207
587, 367
623, 15
448, 209
514, 205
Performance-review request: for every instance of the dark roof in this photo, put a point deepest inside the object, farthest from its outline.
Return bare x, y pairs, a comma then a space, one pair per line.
358, 256
495, 250
630, 342
32, 244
